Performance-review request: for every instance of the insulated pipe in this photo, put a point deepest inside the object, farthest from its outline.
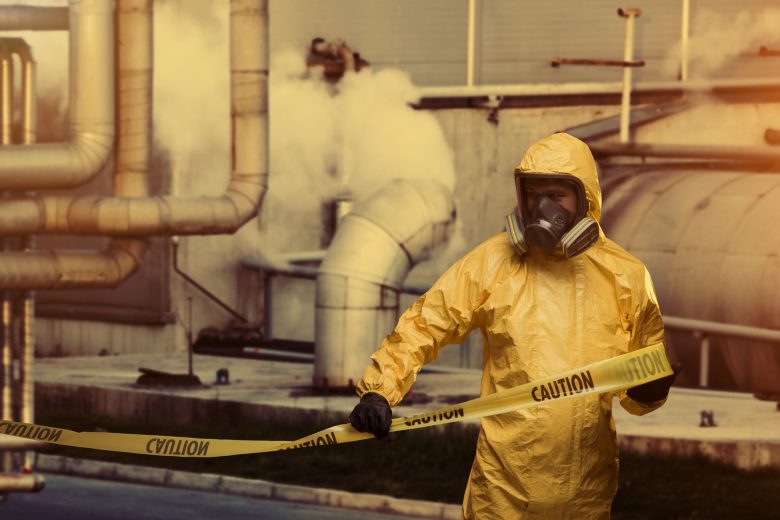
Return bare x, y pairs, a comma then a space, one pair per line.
134, 216
39, 269
359, 281
28, 18
76, 161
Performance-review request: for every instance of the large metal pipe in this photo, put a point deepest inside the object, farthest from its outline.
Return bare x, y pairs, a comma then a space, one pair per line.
360, 278
38, 269
91, 134
746, 153
170, 215
30, 18
41, 269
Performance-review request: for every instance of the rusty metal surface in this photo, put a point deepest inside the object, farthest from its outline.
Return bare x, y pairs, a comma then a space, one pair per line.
557, 62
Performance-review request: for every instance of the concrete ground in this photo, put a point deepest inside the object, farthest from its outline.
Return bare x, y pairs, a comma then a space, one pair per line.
746, 431
74, 498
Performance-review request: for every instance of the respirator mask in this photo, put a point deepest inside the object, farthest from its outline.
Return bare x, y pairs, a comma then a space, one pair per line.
542, 225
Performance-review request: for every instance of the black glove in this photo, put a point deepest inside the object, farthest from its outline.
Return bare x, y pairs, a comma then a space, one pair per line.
654, 390
373, 415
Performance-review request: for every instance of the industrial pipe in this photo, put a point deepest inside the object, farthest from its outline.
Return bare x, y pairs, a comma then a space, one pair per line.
91, 135
729, 330
29, 134
29, 18
133, 215
580, 89
41, 269
684, 39
748, 153
471, 31
628, 56
6, 92
38, 269
6, 360
21, 483
359, 281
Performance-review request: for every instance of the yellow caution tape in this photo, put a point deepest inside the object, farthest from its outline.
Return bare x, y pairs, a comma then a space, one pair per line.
610, 375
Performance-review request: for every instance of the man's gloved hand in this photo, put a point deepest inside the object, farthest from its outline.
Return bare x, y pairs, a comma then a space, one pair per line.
373, 415
654, 390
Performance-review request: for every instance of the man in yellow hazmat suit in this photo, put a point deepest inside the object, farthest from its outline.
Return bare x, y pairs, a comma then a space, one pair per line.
550, 294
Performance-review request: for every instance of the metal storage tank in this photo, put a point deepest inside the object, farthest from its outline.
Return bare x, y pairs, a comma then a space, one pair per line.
711, 242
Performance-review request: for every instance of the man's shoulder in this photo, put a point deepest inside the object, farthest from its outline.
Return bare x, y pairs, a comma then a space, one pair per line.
613, 253
497, 246
492, 257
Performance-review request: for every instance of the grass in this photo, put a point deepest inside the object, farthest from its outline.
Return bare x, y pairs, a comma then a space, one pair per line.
434, 463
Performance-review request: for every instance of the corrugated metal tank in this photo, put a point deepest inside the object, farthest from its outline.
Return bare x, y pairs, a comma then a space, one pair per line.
711, 241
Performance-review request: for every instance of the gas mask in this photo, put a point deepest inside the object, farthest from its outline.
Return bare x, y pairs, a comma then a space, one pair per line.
548, 228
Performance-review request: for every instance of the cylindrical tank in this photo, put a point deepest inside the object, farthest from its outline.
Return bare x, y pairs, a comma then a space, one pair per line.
711, 242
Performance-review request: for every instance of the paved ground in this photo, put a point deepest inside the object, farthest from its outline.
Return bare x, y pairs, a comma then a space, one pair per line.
73, 498
747, 434
739, 417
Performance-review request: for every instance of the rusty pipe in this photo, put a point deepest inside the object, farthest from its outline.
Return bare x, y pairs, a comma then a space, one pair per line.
557, 62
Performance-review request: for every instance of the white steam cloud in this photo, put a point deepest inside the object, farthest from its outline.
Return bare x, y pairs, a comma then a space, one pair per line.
717, 38
191, 92
354, 136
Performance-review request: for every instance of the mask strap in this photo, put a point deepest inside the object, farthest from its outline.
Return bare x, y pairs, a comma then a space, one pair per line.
515, 233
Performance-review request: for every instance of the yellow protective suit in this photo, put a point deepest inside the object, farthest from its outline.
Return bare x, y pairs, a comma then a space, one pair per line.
539, 315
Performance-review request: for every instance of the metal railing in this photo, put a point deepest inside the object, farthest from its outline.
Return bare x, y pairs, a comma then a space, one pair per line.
703, 330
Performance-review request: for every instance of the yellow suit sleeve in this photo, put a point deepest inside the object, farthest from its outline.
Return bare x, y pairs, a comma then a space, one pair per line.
441, 316
648, 330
